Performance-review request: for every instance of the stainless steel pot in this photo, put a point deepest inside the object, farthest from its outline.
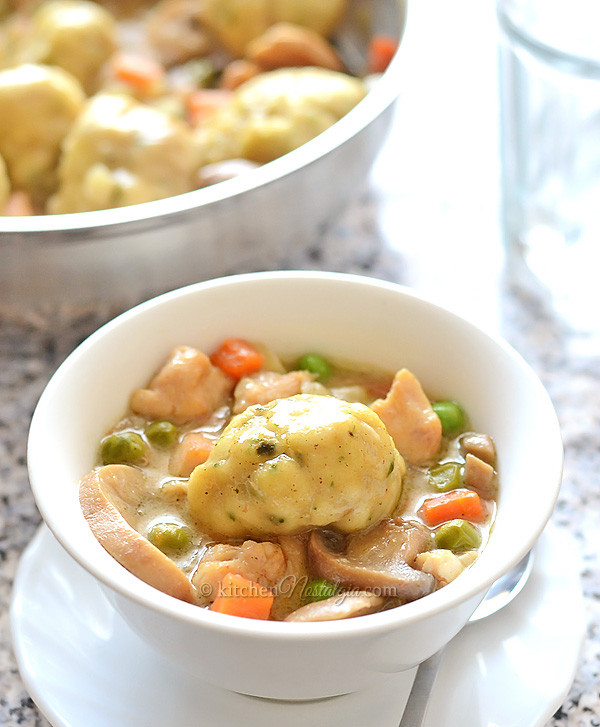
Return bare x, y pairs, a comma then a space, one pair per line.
53, 265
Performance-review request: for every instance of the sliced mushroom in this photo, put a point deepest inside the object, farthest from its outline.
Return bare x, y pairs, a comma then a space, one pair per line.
344, 605
377, 563
479, 476
101, 494
480, 445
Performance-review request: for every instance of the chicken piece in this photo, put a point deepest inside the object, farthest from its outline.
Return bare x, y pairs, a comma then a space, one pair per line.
122, 152
264, 386
287, 45
38, 106
262, 563
378, 564
479, 476
297, 463
409, 418
76, 35
107, 495
444, 565
187, 387
276, 112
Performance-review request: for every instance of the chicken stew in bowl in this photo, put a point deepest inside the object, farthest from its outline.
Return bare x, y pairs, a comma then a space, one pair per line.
298, 490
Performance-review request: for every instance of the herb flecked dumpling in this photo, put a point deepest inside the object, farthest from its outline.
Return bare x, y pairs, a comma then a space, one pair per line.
296, 463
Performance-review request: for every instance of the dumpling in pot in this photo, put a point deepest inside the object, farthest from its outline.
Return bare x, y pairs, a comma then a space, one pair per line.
122, 152
295, 463
278, 111
38, 106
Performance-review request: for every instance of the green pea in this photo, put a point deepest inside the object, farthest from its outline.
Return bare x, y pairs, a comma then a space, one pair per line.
169, 537
161, 434
318, 590
445, 477
122, 447
457, 536
451, 415
316, 365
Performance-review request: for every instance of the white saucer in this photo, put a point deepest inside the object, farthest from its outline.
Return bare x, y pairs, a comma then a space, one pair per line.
84, 667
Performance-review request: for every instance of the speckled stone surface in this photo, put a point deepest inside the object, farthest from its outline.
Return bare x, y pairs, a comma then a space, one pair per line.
427, 218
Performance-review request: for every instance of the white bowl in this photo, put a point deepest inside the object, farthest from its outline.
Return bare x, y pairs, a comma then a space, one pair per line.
55, 265
343, 315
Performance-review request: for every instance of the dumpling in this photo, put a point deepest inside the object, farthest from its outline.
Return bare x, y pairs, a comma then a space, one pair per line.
278, 111
38, 106
76, 35
295, 463
122, 152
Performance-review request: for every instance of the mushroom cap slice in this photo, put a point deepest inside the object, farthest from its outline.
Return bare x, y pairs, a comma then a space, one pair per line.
344, 605
102, 492
379, 568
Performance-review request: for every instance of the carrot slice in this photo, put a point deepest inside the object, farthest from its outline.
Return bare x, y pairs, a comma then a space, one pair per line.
463, 504
193, 450
236, 357
142, 73
239, 596
204, 102
382, 49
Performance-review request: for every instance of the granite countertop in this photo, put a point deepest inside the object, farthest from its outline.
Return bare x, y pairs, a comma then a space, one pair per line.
427, 218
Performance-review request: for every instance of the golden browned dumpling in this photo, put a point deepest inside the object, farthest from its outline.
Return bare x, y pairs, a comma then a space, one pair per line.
277, 112
320, 16
122, 152
303, 461
236, 22
76, 35
4, 184
38, 105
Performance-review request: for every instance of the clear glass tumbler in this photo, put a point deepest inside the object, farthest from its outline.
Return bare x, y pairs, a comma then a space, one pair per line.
549, 66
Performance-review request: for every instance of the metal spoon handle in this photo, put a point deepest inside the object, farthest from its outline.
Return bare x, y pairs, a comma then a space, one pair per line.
416, 706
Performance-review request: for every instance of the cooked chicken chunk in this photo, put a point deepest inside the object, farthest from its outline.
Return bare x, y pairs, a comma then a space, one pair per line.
38, 105
187, 387
295, 463
262, 563
122, 152
445, 565
406, 412
264, 386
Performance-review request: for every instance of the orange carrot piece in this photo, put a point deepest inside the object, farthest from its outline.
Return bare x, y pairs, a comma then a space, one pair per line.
18, 204
463, 504
204, 102
142, 73
236, 357
194, 449
382, 49
239, 596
